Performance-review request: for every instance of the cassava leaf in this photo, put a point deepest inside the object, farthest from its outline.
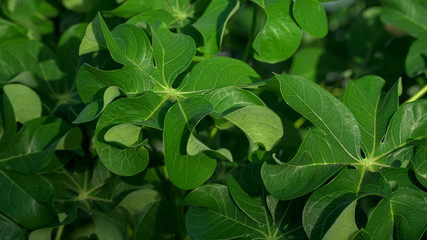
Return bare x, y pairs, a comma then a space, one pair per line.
212, 24
311, 17
218, 72
280, 37
33, 193
214, 215
185, 171
416, 60
332, 207
404, 213
25, 102
420, 163
146, 110
10, 230
408, 16
34, 145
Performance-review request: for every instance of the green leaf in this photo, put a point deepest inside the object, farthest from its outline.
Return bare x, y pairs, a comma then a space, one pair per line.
32, 193
323, 110
311, 17
317, 159
34, 145
371, 108
416, 60
9, 30
408, 16
32, 56
130, 46
41, 234
247, 190
157, 223
404, 213
408, 124
94, 109
131, 8
68, 49
212, 24
125, 134
216, 73
10, 230
213, 215
280, 37
332, 206
8, 124
420, 163
146, 110
72, 140
260, 124
186, 171
93, 39
151, 17
25, 102
111, 226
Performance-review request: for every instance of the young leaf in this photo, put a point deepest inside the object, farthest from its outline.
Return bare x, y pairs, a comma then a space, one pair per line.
280, 37
311, 17
212, 24
33, 193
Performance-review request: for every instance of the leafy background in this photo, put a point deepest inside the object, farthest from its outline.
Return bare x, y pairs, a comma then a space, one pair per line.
213, 119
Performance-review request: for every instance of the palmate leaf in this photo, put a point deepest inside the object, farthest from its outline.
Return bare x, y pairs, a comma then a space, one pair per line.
329, 212
147, 79
404, 213
280, 37
241, 210
371, 122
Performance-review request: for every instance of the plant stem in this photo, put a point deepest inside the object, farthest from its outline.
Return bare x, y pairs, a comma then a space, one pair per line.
212, 135
247, 51
59, 232
418, 95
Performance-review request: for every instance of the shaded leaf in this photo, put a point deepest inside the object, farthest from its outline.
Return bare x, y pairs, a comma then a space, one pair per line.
416, 60
211, 24
332, 206
10, 230
32, 193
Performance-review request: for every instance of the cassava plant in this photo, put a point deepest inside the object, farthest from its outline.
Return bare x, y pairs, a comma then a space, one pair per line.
213, 119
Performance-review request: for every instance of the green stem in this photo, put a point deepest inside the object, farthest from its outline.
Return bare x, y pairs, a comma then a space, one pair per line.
247, 51
59, 232
418, 95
